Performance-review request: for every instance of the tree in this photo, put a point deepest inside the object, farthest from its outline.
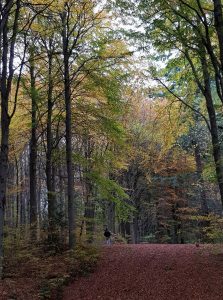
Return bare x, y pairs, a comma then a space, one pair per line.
10, 15
185, 32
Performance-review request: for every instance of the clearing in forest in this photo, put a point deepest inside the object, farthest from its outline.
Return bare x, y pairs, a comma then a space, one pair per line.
153, 272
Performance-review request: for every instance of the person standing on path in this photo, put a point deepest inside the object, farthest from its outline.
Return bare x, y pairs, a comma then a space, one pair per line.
107, 235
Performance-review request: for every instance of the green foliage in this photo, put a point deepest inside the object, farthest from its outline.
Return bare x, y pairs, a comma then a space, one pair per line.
81, 262
214, 232
209, 172
109, 189
151, 238
118, 239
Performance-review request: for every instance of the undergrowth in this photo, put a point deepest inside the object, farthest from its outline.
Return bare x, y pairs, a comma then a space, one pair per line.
31, 272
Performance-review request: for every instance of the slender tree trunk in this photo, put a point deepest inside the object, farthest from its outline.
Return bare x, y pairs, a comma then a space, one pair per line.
17, 192
203, 224
67, 95
6, 67
3, 178
39, 198
33, 151
4, 140
199, 166
52, 236
22, 192
111, 216
217, 153
176, 226
136, 229
122, 228
89, 190
218, 15
62, 198
89, 218
89, 210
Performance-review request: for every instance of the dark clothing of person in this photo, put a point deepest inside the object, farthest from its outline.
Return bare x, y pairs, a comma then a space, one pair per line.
107, 233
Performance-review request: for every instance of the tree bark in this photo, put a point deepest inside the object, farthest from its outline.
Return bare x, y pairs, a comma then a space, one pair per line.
17, 191
111, 216
89, 219
135, 229
199, 166
7, 72
213, 124
22, 192
205, 88
218, 15
68, 122
33, 151
51, 195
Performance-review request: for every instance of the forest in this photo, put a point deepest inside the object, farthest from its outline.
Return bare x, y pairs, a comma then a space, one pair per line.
111, 117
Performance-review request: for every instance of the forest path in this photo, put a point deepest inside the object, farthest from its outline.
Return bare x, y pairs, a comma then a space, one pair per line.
153, 272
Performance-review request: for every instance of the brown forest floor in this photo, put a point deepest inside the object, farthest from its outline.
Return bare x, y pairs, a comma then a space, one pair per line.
37, 274
153, 272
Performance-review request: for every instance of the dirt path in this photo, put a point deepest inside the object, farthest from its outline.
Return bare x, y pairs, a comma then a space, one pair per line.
153, 272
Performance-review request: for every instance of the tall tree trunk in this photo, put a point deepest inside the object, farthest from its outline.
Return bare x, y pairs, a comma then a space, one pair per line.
89, 219
62, 198
7, 46
22, 191
4, 138
67, 95
199, 166
218, 15
89, 214
17, 192
33, 151
3, 175
205, 88
135, 229
217, 153
176, 226
111, 216
51, 196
